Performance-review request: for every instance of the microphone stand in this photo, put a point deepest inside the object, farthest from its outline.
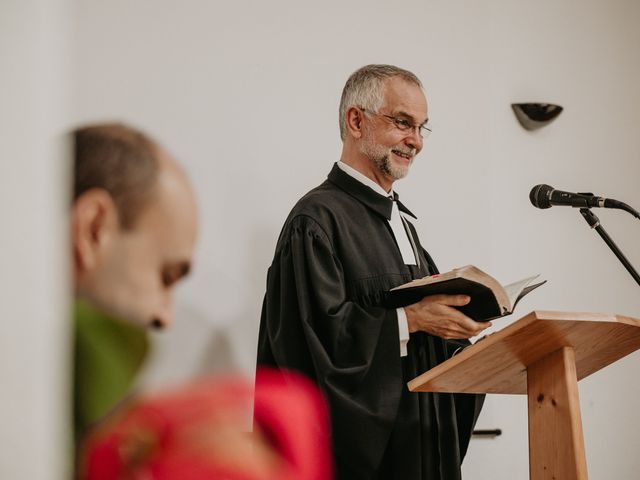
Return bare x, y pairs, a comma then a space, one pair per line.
594, 222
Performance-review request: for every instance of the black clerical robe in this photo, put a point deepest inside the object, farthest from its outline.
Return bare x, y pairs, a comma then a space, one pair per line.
324, 315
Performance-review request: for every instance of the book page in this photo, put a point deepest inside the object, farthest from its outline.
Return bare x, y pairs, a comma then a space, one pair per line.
468, 271
513, 290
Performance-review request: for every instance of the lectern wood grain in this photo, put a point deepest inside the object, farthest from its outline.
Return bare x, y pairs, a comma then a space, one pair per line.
543, 354
498, 364
556, 443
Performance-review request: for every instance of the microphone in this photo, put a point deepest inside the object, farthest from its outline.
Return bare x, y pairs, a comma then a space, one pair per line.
545, 196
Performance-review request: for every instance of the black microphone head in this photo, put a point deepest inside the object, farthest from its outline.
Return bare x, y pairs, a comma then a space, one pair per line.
539, 196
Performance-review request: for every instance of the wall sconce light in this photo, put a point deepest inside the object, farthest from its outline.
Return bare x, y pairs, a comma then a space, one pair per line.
535, 115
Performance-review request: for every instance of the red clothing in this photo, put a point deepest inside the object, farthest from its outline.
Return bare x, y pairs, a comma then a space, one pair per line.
196, 433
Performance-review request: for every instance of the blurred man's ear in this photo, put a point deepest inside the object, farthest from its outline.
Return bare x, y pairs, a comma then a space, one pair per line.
94, 221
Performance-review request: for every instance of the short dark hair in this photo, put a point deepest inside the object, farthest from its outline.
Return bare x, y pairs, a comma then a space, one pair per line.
119, 159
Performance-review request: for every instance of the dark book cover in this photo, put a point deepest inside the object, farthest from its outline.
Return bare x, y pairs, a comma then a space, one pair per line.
482, 307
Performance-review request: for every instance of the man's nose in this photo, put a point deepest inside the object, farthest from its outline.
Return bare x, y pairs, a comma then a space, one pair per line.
415, 140
163, 316
158, 323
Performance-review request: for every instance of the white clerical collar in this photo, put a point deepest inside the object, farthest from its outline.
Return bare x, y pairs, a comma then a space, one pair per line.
401, 234
349, 170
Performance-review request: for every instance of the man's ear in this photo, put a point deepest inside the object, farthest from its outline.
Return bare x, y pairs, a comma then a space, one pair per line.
94, 221
354, 117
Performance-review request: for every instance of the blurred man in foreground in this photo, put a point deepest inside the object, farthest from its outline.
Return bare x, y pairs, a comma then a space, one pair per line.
134, 223
134, 227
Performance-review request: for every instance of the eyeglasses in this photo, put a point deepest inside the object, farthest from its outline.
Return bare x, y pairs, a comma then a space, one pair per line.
403, 124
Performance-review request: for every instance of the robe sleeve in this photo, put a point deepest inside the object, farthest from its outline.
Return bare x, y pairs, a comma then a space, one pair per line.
309, 324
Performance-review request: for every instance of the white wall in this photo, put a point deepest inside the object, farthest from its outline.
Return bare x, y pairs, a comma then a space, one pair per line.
246, 95
34, 367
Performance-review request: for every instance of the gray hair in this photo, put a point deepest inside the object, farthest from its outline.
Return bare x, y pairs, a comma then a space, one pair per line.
365, 89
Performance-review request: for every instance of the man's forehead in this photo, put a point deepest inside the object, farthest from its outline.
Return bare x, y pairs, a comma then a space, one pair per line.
403, 98
170, 219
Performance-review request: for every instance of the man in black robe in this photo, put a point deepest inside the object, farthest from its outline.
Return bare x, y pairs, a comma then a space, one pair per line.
343, 246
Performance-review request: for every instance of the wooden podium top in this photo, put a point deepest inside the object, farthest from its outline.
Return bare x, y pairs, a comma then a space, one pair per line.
498, 363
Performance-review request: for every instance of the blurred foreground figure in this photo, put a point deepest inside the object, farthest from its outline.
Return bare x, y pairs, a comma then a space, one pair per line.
194, 434
134, 226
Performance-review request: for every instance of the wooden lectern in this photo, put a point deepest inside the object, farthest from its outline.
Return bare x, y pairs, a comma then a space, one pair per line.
543, 355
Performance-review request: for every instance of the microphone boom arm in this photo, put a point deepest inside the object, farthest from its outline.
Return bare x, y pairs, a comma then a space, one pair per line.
594, 222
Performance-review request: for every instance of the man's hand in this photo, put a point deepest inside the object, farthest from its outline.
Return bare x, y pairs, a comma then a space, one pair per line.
435, 315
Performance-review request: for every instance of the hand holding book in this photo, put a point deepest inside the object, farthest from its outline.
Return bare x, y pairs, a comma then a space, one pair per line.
439, 315
489, 299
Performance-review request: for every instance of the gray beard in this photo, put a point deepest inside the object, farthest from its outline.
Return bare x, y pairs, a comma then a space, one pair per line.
381, 158
386, 166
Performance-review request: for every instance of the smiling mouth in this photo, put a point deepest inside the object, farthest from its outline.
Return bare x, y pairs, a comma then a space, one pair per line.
405, 155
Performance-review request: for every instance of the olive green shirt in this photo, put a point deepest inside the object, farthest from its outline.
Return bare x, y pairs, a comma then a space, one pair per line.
108, 353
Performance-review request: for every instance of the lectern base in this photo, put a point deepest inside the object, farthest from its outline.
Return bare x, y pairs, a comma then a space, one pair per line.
556, 442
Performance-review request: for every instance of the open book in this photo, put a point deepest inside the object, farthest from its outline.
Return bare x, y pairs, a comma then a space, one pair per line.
489, 299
